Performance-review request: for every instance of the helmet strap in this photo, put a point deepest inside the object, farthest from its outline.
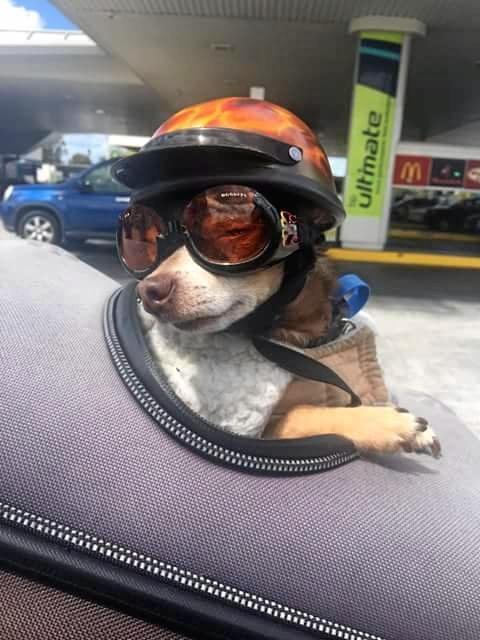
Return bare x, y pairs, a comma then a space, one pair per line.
297, 267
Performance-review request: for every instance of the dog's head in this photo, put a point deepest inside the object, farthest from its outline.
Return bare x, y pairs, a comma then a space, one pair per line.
182, 293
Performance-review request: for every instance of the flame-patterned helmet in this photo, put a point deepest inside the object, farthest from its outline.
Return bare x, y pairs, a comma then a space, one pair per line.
234, 141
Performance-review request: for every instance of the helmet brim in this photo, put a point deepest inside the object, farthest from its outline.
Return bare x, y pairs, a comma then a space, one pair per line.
177, 152
179, 163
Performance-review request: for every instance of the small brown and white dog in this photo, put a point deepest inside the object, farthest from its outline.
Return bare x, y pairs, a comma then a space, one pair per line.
186, 315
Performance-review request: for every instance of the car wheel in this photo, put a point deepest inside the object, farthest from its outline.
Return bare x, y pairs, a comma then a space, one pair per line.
39, 225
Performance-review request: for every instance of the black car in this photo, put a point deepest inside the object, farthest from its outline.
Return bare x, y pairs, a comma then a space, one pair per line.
454, 217
412, 208
472, 223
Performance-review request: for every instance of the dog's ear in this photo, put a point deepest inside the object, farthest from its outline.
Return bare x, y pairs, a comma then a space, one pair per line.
308, 317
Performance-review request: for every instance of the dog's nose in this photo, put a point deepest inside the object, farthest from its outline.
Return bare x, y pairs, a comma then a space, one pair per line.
155, 292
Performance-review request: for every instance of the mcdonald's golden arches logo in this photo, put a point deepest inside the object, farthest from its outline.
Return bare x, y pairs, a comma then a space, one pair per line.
411, 170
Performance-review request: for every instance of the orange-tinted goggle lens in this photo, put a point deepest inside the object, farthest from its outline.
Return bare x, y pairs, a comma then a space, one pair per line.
139, 229
228, 224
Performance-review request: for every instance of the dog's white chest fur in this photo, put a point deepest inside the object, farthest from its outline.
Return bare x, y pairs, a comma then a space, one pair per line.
221, 377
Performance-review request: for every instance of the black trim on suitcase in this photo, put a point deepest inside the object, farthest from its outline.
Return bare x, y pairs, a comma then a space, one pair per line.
148, 586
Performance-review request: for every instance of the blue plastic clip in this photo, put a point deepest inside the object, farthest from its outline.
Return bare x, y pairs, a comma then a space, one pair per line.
352, 294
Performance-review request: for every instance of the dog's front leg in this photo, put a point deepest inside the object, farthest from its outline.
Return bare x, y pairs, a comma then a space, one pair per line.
371, 429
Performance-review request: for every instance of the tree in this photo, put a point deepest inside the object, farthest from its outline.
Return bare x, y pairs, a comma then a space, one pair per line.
54, 152
80, 158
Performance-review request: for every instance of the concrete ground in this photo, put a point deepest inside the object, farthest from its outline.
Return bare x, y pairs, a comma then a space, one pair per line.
428, 321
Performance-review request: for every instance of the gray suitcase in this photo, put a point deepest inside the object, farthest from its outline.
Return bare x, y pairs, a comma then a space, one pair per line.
123, 515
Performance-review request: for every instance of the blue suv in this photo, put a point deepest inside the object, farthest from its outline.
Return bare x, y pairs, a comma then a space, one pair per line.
86, 206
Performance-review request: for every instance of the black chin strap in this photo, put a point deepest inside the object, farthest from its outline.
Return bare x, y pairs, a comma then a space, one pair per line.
297, 267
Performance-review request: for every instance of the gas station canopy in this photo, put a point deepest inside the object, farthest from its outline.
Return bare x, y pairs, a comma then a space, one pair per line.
149, 58
299, 50
138, 61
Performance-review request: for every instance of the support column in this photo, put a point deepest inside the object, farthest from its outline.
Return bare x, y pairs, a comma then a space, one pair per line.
375, 126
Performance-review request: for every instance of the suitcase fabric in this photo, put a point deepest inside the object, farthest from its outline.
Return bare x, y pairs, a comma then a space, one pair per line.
98, 494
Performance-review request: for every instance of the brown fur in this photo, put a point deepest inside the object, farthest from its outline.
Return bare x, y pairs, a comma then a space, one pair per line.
308, 317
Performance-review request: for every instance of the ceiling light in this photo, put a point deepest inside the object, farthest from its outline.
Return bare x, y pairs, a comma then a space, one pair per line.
99, 112
258, 93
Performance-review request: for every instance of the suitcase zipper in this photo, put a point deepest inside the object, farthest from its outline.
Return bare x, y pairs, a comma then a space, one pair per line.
147, 565
249, 462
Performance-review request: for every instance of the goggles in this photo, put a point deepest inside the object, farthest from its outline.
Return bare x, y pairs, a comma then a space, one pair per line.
227, 229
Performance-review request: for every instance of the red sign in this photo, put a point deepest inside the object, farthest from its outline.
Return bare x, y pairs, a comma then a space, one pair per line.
412, 171
447, 172
472, 175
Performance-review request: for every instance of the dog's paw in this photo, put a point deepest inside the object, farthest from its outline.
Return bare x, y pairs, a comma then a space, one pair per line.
395, 429
380, 429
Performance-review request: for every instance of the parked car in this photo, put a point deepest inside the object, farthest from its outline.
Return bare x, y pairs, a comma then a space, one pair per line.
85, 206
454, 217
410, 208
472, 223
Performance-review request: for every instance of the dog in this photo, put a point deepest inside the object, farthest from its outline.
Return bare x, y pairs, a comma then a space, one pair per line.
186, 313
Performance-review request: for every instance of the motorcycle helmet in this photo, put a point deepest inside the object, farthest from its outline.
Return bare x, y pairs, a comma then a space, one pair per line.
234, 141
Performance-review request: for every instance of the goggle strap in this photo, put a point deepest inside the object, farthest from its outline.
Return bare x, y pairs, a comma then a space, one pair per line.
310, 234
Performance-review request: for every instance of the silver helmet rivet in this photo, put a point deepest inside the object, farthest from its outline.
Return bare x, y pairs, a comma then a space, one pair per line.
295, 154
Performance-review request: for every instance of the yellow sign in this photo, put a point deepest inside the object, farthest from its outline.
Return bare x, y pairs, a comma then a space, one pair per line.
371, 130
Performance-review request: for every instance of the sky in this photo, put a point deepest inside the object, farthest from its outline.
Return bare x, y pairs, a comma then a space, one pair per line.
93, 145
32, 14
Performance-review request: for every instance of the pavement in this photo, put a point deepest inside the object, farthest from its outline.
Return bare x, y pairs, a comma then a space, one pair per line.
427, 320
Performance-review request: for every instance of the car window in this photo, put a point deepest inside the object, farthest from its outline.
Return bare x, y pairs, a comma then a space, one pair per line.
101, 181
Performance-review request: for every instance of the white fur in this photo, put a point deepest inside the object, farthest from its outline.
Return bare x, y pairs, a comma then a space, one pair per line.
220, 376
